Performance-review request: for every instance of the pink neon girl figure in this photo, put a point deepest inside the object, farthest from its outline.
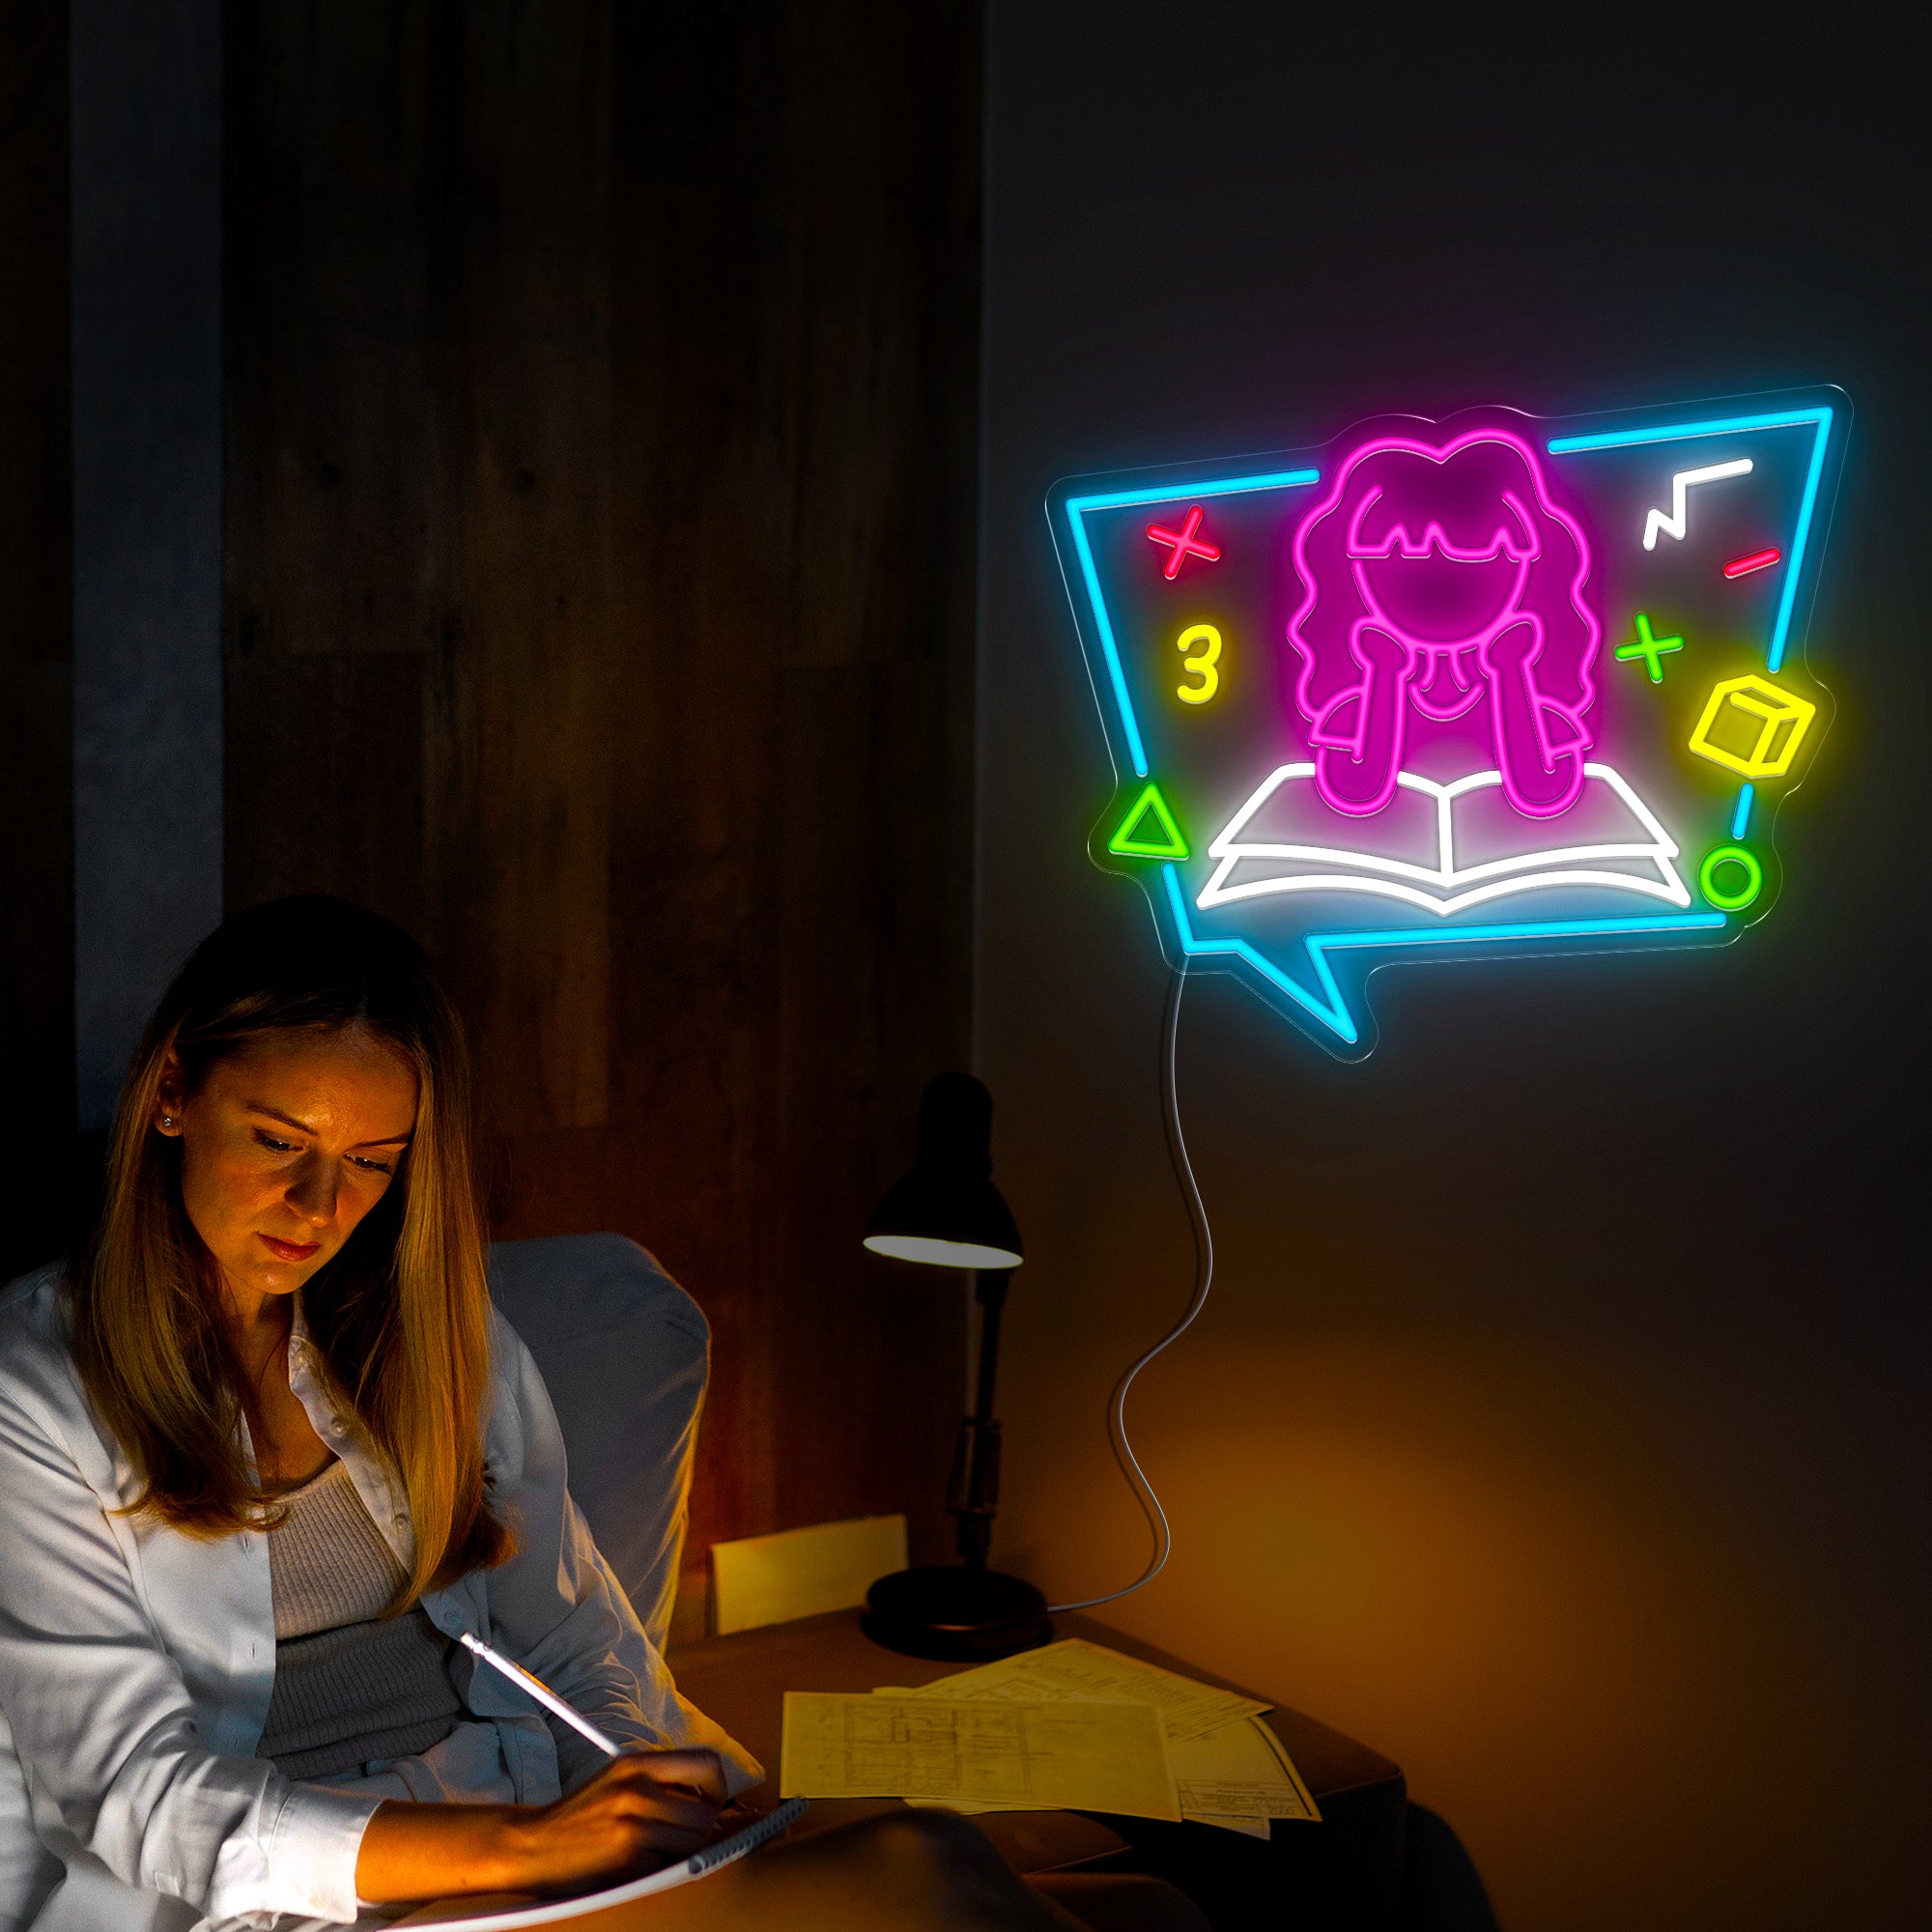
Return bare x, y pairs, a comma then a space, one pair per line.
1436, 579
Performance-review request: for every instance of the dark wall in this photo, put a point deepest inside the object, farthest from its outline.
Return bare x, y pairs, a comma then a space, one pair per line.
602, 409
36, 639
1573, 1454
146, 418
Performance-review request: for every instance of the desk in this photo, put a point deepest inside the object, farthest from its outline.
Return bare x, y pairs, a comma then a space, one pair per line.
1345, 1872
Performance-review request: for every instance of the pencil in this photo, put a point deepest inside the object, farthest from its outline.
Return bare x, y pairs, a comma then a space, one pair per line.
542, 1693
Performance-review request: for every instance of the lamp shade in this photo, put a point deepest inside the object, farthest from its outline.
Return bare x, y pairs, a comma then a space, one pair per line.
945, 1211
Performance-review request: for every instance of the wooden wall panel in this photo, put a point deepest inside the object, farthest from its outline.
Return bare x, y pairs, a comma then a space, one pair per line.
603, 417
36, 639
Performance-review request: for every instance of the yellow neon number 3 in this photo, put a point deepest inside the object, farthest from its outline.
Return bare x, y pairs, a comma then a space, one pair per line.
1204, 667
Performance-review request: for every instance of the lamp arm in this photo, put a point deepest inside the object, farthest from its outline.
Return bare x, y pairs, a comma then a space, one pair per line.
991, 1295
972, 1493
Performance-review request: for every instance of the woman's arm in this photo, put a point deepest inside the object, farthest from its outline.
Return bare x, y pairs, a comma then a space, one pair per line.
103, 1716
640, 1812
557, 1608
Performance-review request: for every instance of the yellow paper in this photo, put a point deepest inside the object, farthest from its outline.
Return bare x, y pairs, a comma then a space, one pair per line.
1237, 1778
1230, 1771
799, 1573
1249, 1828
1050, 1756
1238, 1772
1087, 1671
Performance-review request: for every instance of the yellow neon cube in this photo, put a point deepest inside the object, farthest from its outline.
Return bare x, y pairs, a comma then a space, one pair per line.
1782, 720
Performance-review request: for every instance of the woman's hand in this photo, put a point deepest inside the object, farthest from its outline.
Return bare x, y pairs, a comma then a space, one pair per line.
640, 1812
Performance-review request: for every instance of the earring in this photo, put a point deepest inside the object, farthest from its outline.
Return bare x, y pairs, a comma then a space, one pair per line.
167, 1119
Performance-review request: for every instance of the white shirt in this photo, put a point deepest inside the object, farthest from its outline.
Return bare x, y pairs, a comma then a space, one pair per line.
136, 1662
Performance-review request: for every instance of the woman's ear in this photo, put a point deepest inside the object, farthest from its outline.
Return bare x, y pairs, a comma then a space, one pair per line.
168, 1095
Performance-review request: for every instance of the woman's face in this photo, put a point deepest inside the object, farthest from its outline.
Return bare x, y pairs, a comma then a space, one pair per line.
287, 1144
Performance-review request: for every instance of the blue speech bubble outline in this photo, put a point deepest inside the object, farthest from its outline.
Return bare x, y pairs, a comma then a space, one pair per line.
1322, 1001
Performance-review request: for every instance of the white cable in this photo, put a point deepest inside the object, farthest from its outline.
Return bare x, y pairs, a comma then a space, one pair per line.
1204, 1276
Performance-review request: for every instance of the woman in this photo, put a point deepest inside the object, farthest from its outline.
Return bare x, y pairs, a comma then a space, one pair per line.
267, 1453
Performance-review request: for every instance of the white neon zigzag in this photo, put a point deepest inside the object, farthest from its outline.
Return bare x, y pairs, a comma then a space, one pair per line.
1679, 485
1228, 849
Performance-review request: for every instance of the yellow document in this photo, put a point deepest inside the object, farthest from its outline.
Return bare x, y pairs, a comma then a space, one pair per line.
1239, 1771
800, 1573
1046, 1756
1078, 1669
1229, 1770
1249, 1828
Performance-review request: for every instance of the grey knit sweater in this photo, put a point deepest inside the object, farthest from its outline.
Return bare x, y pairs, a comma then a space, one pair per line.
350, 1685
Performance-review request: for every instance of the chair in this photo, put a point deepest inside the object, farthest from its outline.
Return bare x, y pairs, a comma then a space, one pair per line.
625, 1353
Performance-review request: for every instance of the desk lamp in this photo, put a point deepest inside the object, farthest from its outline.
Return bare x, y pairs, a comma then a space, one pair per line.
946, 1212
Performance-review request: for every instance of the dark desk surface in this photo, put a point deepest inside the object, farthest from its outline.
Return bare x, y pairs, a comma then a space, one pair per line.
1346, 1872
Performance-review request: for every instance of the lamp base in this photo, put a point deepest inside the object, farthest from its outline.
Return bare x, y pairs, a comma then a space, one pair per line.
953, 1613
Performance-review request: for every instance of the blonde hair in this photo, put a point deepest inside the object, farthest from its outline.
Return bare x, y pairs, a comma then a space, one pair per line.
401, 1316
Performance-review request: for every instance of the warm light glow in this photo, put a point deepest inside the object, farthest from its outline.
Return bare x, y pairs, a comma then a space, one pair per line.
935, 1252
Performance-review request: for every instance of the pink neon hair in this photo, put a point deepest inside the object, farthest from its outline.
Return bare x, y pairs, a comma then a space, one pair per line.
1435, 576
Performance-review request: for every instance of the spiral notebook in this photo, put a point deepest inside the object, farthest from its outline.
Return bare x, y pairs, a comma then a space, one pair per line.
552, 1912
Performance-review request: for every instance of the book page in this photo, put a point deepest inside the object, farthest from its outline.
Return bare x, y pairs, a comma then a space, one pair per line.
1288, 813
1285, 838
1608, 827
1078, 1669
1051, 1756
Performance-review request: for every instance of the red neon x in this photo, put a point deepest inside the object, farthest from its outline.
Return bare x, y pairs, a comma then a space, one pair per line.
1185, 543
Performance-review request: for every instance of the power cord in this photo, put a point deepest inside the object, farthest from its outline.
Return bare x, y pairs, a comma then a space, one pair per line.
1204, 1276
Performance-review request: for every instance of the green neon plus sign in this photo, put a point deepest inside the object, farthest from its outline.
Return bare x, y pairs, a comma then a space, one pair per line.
1650, 649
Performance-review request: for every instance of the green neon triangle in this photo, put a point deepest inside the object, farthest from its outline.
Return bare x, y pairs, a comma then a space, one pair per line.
1132, 842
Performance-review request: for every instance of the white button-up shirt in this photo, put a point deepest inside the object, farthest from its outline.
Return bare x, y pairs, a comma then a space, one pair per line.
136, 1664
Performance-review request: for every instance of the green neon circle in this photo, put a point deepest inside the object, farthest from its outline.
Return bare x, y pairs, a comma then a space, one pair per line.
1730, 855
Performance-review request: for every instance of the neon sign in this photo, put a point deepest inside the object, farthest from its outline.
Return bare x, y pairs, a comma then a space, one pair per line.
1402, 726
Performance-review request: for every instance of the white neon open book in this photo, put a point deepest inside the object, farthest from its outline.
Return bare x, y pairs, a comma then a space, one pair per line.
712, 1858
1442, 847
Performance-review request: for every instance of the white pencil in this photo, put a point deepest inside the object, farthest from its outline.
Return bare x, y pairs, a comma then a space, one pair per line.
542, 1693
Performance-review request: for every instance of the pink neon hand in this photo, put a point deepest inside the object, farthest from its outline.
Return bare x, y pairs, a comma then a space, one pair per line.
1539, 782
1359, 776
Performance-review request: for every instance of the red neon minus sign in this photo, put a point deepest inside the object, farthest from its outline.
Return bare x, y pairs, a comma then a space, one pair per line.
1758, 559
